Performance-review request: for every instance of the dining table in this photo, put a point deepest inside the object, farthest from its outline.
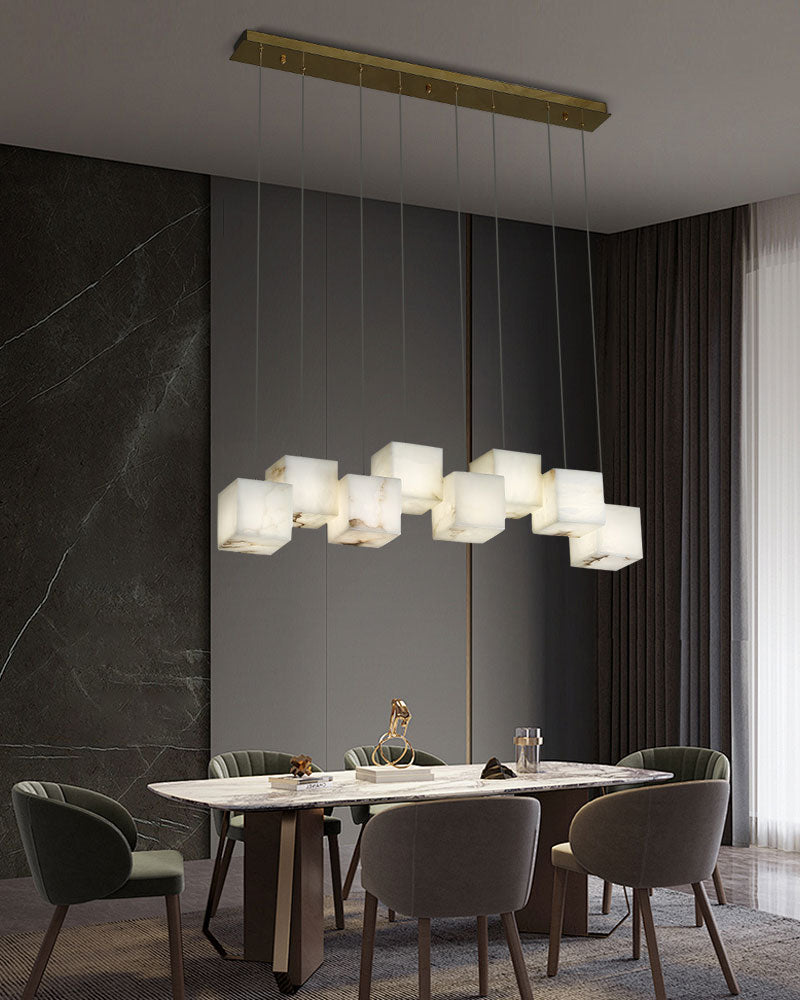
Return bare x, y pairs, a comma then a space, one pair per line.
283, 864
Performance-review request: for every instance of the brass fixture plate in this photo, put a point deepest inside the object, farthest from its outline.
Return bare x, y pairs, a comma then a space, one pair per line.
425, 82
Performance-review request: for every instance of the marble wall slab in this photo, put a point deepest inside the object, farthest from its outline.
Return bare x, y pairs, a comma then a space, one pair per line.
104, 495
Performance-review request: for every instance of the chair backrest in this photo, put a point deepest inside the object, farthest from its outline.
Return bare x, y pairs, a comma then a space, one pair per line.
686, 763
248, 763
78, 842
657, 836
362, 757
452, 857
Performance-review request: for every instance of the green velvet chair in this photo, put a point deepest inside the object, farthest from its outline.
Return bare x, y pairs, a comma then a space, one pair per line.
245, 763
80, 846
687, 764
362, 757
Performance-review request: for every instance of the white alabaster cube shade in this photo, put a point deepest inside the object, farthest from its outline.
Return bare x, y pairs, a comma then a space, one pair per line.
572, 503
522, 473
369, 513
473, 508
419, 469
315, 482
254, 516
616, 545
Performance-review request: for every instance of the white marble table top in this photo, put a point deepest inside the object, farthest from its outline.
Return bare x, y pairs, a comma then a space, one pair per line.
450, 781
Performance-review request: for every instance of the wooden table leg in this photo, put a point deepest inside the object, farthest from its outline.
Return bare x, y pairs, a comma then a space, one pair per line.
558, 808
283, 920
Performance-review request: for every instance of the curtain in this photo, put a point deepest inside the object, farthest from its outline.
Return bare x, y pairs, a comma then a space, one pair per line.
669, 358
772, 427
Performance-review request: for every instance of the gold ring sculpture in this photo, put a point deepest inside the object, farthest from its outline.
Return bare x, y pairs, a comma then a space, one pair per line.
398, 724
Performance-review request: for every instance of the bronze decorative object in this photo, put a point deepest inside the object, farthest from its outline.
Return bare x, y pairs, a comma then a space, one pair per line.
495, 770
300, 766
398, 724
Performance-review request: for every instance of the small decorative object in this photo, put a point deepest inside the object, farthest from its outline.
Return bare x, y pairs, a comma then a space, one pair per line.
497, 771
528, 744
300, 766
398, 724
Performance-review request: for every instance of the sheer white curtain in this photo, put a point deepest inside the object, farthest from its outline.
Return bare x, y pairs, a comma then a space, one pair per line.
771, 452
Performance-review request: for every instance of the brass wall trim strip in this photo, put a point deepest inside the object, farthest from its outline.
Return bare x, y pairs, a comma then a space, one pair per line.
425, 82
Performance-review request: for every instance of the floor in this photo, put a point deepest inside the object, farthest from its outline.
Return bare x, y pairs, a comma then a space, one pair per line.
757, 877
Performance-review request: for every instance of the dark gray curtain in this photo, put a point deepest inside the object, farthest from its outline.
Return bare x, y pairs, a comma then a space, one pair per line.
669, 357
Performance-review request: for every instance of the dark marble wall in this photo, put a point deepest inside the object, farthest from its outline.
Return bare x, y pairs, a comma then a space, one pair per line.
104, 590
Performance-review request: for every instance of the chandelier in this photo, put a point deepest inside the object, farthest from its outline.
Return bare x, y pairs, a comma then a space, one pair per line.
365, 509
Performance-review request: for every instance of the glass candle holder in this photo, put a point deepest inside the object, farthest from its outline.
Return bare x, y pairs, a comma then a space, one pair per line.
527, 745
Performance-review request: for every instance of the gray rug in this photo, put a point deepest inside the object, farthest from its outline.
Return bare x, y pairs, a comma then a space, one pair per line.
129, 960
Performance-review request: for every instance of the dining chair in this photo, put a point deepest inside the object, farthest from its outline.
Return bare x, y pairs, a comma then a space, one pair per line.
80, 847
686, 764
362, 757
231, 827
646, 838
451, 858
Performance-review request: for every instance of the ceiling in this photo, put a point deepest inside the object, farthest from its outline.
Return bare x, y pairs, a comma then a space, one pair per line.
703, 96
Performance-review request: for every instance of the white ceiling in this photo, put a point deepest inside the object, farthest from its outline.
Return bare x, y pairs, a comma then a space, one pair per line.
704, 96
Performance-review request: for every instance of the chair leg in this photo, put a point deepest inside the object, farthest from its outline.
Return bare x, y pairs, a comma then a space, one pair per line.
391, 915
517, 958
698, 914
722, 899
222, 874
45, 951
175, 946
716, 940
637, 927
652, 944
483, 956
351, 871
336, 879
607, 889
367, 946
424, 938
557, 919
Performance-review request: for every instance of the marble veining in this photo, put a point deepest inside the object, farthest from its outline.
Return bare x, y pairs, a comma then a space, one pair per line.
255, 793
104, 644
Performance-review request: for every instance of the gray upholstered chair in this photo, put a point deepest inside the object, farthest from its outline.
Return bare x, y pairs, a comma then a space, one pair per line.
244, 763
362, 757
646, 838
79, 845
686, 764
451, 858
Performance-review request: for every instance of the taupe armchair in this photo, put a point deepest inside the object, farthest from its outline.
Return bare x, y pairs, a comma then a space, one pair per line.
451, 858
686, 764
79, 845
646, 838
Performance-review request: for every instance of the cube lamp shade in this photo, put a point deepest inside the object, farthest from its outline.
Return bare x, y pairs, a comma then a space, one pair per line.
254, 516
522, 474
572, 503
616, 545
369, 511
315, 484
473, 508
419, 469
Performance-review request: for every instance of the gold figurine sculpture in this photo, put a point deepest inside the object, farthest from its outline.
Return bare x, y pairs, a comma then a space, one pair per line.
300, 766
398, 724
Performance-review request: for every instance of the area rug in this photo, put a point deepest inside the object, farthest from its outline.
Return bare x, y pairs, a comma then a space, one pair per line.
129, 960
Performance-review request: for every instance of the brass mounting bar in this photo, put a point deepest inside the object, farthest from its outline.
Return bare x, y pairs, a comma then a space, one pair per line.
425, 82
